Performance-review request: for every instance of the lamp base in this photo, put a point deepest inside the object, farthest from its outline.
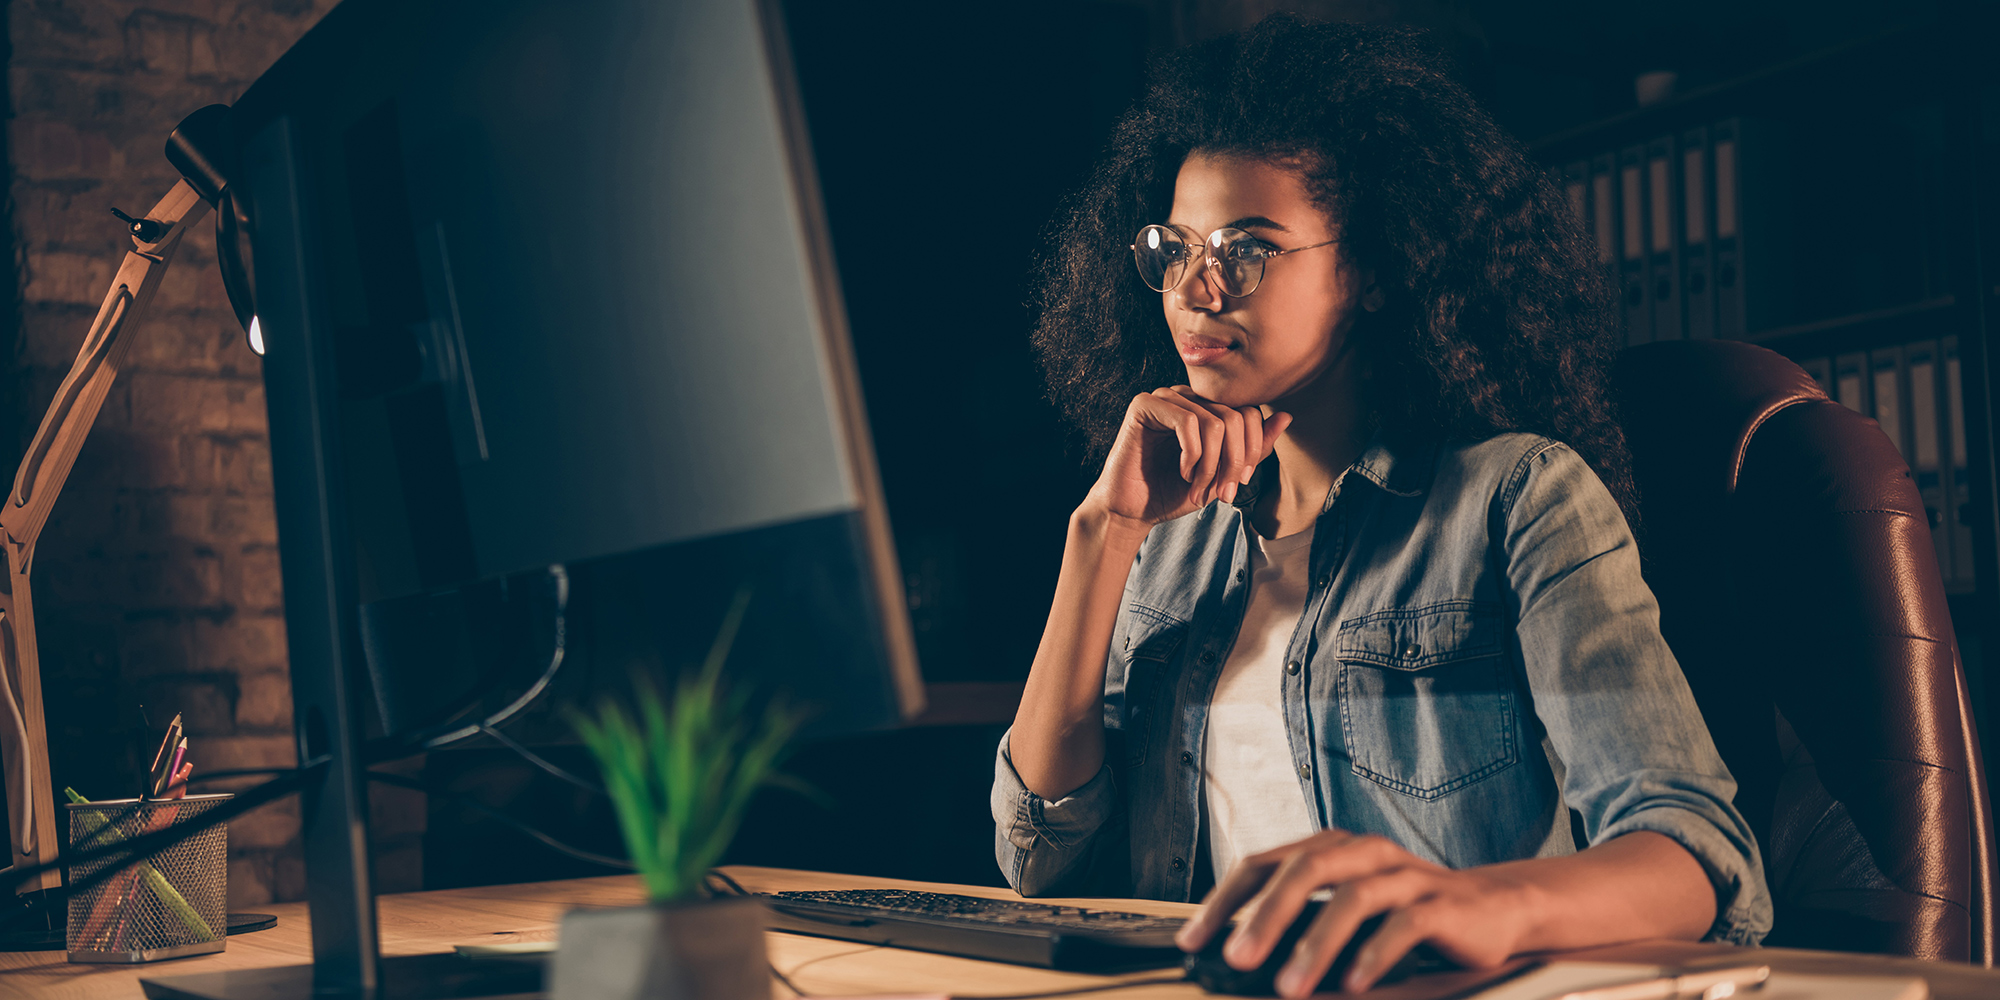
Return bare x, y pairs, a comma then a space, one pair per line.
34, 939
55, 939
405, 977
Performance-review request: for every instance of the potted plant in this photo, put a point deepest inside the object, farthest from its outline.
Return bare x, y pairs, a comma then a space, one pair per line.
679, 775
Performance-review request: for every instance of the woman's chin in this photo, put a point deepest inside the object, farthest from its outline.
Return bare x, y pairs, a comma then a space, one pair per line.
1229, 392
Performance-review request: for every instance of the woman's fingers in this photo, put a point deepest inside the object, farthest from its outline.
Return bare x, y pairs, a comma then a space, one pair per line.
1403, 930
1352, 903
1250, 437
1230, 475
1230, 461
1166, 411
1330, 858
1274, 425
1253, 442
1220, 446
1233, 891
1267, 916
1200, 467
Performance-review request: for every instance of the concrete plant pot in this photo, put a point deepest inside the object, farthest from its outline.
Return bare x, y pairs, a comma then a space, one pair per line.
706, 949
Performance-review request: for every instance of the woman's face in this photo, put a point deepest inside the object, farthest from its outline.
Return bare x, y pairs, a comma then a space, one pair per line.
1291, 331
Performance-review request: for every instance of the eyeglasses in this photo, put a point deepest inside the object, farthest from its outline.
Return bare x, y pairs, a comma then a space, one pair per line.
1163, 255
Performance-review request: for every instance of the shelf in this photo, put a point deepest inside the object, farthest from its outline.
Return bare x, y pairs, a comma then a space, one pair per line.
1893, 325
1903, 59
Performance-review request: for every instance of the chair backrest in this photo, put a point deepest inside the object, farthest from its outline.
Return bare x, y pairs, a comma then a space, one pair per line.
1799, 589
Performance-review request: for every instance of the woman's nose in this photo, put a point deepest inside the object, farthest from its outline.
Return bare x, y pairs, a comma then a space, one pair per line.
1202, 290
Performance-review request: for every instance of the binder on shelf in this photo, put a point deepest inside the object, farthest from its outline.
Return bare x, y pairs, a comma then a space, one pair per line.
1729, 225
1821, 370
1575, 185
1697, 291
1850, 387
1632, 244
1885, 386
1662, 239
1604, 213
1958, 473
1746, 271
1926, 452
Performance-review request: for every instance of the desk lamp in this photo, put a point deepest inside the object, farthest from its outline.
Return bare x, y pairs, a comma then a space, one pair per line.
198, 148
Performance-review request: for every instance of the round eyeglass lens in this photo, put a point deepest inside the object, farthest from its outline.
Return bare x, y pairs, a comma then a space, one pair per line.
1161, 255
1242, 258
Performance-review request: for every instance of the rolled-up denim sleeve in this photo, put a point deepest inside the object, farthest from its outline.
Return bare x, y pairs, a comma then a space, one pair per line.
1636, 752
1045, 848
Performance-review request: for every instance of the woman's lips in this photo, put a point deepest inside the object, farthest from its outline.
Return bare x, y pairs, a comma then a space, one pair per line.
1200, 351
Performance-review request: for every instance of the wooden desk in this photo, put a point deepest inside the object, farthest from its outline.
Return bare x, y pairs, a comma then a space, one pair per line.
423, 922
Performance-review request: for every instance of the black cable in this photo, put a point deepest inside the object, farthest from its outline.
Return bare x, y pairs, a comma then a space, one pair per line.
533, 758
126, 853
111, 824
1074, 990
780, 977
734, 887
1071, 991
552, 843
399, 745
236, 772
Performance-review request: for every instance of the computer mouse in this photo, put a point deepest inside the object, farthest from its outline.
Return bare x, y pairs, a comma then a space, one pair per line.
1216, 976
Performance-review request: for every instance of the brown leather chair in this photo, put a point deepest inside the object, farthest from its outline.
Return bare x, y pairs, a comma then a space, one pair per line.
1799, 589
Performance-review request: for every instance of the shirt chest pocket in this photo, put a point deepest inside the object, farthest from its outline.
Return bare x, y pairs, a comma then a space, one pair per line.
1136, 693
1426, 697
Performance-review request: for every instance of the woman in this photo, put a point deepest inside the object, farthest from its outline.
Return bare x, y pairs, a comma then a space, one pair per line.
1353, 604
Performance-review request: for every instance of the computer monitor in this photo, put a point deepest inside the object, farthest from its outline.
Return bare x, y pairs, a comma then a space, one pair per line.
545, 283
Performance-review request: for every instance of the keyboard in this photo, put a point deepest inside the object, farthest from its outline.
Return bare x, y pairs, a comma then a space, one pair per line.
1075, 938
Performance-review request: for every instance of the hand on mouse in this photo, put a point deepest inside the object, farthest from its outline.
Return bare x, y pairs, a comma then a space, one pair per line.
1475, 917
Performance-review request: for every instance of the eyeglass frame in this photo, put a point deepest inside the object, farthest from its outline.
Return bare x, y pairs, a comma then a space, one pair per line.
1212, 260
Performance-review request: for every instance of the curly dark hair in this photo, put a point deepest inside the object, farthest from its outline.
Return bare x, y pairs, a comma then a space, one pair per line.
1497, 316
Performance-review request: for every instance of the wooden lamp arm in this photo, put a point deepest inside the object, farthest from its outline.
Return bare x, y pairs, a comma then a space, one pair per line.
31, 829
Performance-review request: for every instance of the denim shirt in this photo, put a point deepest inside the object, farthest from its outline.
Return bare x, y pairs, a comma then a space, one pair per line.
1477, 657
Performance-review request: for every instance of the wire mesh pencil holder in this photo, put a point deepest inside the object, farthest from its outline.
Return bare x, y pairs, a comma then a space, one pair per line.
168, 905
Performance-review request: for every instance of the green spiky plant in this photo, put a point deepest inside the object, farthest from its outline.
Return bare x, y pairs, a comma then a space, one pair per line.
681, 774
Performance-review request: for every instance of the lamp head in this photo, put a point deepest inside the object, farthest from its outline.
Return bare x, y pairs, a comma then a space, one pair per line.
203, 148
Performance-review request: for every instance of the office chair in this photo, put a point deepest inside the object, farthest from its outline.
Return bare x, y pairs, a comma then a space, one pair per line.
1799, 589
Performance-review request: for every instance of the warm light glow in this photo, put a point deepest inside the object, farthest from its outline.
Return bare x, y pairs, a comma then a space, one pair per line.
256, 337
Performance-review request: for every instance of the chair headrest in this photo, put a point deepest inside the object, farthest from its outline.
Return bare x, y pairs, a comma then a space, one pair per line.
1701, 401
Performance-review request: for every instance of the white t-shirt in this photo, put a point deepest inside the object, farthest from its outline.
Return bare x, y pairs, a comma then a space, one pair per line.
1254, 798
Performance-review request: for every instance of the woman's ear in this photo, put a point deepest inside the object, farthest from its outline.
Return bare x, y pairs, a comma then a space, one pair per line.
1372, 296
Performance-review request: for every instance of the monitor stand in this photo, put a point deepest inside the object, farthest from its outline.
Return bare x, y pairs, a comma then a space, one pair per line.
404, 977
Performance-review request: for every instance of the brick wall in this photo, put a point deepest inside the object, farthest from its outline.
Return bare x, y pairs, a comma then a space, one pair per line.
156, 581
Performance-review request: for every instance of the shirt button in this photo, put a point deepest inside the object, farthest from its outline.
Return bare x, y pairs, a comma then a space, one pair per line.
1412, 649
1306, 771
1241, 576
1186, 757
1292, 667
1128, 642
1207, 658
1179, 864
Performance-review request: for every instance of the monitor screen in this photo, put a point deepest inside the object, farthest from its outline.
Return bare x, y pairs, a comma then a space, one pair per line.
568, 268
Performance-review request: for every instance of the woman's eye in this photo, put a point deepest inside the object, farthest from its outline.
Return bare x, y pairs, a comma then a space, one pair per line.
1249, 250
